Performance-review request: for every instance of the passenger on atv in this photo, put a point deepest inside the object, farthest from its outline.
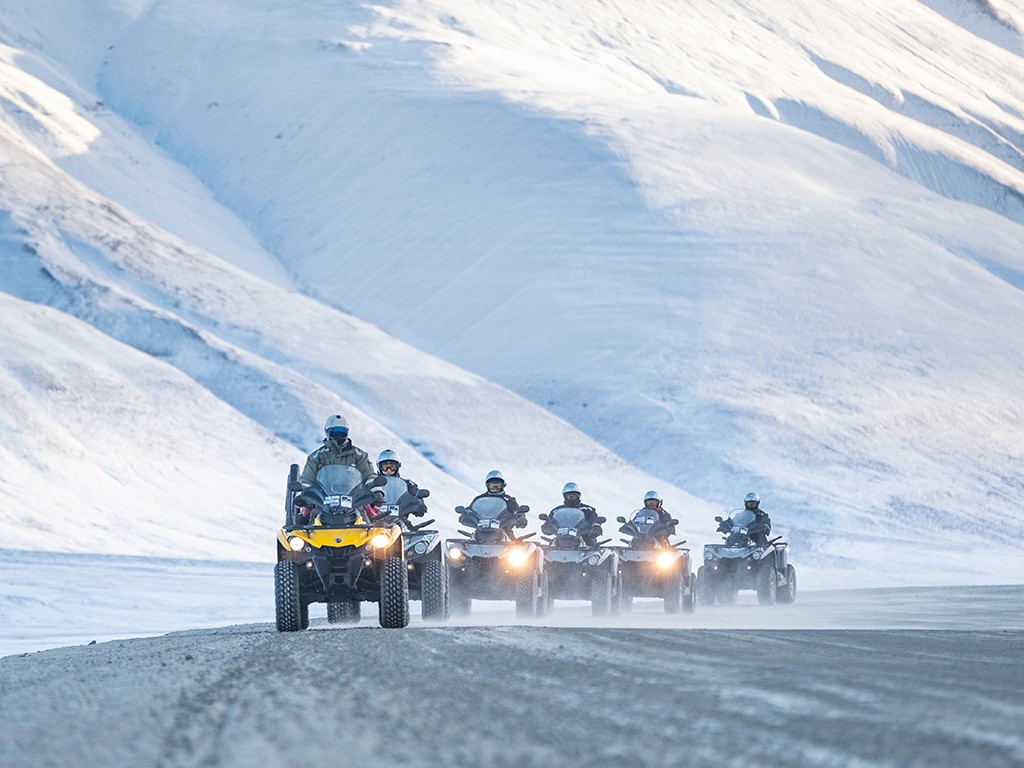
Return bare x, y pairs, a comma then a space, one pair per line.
495, 484
401, 496
337, 449
572, 496
653, 502
758, 528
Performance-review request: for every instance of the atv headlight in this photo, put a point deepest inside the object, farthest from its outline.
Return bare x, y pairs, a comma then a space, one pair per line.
757, 553
709, 554
380, 541
420, 548
665, 559
455, 553
593, 559
296, 544
517, 557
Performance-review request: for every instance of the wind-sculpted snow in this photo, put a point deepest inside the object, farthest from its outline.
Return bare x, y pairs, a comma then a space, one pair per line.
535, 695
740, 246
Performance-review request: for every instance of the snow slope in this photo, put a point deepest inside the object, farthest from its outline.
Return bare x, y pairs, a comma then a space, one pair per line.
145, 379
738, 247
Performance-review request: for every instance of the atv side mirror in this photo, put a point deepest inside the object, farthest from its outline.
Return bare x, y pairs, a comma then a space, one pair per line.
718, 518
673, 521
524, 508
378, 481
601, 520
422, 493
461, 510
295, 486
621, 519
543, 516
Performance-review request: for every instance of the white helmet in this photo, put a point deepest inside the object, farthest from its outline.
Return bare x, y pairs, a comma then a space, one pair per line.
652, 495
494, 475
751, 500
336, 422
388, 455
571, 488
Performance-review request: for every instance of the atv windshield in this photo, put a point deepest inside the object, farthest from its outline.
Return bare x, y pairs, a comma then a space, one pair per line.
339, 479
488, 507
643, 520
567, 517
743, 518
394, 490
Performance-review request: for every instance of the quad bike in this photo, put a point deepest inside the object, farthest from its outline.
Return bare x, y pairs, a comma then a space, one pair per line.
651, 567
744, 563
424, 555
340, 556
575, 569
491, 563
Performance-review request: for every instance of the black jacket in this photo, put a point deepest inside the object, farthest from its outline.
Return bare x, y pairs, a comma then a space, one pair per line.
510, 503
589, 514
759, 530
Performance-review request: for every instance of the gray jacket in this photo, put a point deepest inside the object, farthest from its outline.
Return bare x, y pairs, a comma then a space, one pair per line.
332, 452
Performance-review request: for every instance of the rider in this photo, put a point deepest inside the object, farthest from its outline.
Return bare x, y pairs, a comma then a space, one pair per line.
388, 465
653, 501
495, 484
759, 529
571, 497
337, 448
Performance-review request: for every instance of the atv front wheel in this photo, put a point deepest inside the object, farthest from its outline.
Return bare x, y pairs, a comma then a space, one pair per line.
705, 593
459, 596
787, 594
394, 594
767, 585
343, 612
601, 593
674, 592
526, 594
287, 603
433, 592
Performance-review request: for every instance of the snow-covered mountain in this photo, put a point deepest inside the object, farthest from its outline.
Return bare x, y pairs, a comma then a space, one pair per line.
737, 247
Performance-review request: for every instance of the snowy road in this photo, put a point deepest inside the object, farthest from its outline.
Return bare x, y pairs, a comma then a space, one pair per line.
598, 695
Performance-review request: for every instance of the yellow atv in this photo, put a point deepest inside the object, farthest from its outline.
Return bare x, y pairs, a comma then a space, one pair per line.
338, 556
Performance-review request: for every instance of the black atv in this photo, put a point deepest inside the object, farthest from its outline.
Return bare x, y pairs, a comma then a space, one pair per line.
743, 563
424, 555
576, 570
651, 567
341, 556
491, 563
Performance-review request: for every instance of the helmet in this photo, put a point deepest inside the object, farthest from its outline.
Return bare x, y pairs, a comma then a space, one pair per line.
652, 495
751, 501
494, 475
336, 427
388, 455
571, 494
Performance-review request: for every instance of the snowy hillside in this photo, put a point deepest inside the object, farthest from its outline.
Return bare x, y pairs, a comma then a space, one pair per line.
739, 247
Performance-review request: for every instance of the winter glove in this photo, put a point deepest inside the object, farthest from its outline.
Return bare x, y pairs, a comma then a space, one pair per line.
520, 521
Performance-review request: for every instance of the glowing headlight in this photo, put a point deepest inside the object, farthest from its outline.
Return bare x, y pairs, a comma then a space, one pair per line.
420, 548
296, 544
455, 553
517, 557
380, 541
665, 559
